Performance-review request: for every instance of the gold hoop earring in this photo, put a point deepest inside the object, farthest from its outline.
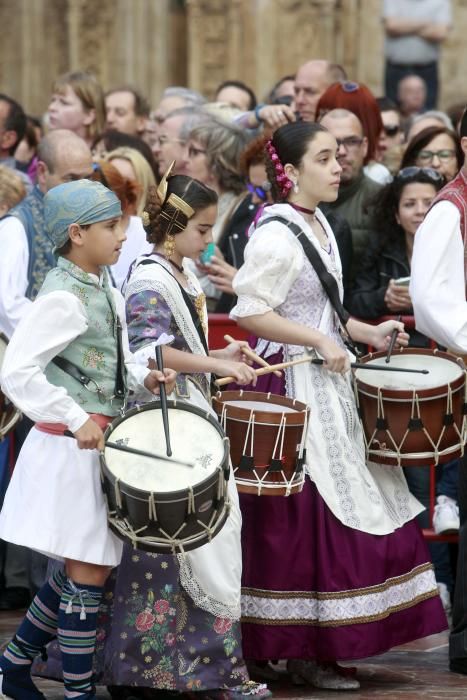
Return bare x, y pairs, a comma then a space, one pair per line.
169, 246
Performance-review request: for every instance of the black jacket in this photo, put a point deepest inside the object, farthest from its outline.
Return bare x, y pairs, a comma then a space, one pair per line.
378, 266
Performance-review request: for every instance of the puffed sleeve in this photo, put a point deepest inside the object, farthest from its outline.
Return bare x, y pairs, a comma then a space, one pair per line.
273, 261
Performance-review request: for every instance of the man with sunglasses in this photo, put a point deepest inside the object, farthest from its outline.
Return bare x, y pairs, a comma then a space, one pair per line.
438, 291
392, 135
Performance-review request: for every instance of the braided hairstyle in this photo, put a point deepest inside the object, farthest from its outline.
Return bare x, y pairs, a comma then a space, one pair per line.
290, 142
193, 192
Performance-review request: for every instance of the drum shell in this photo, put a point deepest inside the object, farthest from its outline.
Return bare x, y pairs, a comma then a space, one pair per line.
172, 508
417, 449
266, 427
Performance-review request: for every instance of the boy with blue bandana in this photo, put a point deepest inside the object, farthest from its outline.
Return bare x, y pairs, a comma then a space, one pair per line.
75, 327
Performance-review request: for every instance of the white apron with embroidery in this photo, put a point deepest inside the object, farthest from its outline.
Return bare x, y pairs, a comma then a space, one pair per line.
211, 574
278, 276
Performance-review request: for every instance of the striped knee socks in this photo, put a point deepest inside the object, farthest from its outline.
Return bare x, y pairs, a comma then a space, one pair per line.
77, 619
39, 625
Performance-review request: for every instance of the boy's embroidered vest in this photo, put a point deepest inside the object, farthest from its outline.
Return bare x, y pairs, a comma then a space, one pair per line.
96, 351
30, 211
456, 193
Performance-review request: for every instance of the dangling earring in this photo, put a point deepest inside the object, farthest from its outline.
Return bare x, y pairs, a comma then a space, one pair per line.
295, 187
169, 246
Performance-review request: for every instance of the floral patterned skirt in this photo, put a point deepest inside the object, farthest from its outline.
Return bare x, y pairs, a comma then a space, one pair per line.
150, 634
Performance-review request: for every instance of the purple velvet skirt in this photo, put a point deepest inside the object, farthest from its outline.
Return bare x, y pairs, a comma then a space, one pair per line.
314, 588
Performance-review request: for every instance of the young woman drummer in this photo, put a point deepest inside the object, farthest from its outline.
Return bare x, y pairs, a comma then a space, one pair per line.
340, 571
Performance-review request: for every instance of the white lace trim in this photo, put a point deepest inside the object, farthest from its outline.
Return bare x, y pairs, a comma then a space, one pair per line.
346, 607
266, 348
249, 306
202, 599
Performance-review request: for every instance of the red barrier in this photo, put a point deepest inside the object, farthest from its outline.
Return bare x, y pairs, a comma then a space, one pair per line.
220, 325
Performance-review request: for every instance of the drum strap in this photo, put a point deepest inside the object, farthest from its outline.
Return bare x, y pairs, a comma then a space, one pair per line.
189, 303
327, 280
76, 372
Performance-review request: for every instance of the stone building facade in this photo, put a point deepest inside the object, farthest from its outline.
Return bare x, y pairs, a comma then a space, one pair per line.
199, 43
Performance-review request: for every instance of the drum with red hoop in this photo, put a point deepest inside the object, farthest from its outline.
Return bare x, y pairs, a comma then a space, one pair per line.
413, 419
267, 436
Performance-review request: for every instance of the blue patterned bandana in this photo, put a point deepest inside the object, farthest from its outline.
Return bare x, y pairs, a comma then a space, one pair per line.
79, 202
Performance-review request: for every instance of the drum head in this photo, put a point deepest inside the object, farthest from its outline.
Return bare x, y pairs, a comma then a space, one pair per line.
441, 371
194, 439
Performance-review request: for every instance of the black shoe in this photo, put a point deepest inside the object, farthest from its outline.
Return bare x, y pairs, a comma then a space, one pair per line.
15, 599
458, 666
16, 683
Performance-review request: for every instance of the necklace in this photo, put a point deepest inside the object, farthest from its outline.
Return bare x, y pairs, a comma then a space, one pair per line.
177, 267
311, 212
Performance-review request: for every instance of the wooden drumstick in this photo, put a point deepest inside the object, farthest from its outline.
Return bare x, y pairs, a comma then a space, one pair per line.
163, 395
252, 355
317, 361
392, 343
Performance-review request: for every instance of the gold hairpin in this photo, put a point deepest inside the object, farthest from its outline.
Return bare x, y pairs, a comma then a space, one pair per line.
174, 200
145, 219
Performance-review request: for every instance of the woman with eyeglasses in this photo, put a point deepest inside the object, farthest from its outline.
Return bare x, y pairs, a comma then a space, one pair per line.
381, 281
435, 147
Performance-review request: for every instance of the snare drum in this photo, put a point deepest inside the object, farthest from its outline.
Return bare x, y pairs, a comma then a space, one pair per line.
9, 414
267, 440
413, 419
161, 506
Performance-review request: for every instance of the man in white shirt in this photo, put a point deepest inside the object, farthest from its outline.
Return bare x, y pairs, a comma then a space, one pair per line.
26, 250
438, 292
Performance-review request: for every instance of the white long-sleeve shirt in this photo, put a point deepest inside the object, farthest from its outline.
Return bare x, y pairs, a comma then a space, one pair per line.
51, 323
438, 284
14, 261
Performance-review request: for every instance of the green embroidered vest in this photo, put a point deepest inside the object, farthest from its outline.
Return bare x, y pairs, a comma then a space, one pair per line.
96, 351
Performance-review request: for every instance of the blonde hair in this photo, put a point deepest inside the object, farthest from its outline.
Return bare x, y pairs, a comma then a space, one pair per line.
88, 90
143, 171
12, 189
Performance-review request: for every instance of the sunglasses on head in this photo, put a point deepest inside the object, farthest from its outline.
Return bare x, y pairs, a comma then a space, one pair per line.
413, 171
261, 192
349, 86
391, 130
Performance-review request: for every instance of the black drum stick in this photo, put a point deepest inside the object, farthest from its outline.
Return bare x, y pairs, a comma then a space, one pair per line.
393, 341
135, 451
163, 395
143, 453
